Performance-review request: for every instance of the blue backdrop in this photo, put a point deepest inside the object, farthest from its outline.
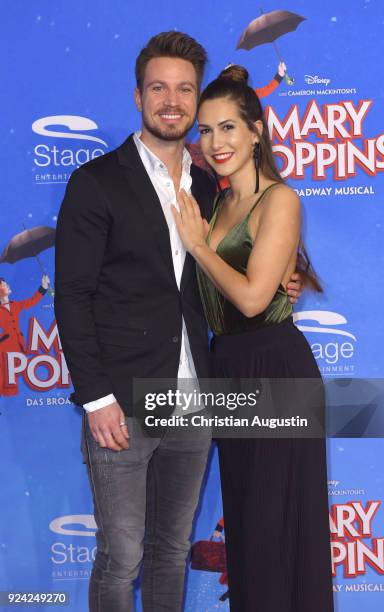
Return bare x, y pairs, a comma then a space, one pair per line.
67, 96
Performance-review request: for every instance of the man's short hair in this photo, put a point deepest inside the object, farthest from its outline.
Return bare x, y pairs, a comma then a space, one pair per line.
171, 44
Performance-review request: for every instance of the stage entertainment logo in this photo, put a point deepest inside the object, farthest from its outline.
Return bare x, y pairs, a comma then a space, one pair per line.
72, 558
333, 346
326, 140
53, 161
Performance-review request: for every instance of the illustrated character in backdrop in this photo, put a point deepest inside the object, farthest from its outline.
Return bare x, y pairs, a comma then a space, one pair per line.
11, 336
127, 305
210, 556
218, 533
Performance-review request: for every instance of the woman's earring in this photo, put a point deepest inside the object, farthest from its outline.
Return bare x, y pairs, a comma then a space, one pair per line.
256, 158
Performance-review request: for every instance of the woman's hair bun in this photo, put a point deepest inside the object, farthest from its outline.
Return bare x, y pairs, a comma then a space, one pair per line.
234, 72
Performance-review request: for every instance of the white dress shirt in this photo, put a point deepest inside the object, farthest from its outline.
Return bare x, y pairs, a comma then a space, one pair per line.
164, 187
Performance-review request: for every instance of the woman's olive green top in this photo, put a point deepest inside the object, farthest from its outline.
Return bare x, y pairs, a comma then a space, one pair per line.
235, 248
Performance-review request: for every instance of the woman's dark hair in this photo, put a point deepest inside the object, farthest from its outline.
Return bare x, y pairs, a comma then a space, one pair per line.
232, 83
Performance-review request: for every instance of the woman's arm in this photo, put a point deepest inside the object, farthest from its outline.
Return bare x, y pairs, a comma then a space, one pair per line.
275, 244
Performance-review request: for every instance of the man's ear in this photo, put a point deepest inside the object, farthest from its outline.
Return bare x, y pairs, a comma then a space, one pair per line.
137, 95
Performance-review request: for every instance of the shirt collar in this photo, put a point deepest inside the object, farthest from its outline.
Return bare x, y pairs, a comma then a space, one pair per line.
153, 163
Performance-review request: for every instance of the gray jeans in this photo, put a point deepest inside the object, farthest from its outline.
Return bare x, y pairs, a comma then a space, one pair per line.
144, 502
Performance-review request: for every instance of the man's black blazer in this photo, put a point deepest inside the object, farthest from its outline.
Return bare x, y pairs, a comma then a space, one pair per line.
118, 308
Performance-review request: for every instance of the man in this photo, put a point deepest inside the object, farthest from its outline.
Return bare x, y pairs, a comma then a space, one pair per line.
127, 305
11, 336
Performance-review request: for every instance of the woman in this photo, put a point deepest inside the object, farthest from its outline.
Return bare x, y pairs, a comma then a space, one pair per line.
274, 490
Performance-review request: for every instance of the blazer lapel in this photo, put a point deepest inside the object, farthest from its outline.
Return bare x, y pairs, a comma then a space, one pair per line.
188, 269
147, 198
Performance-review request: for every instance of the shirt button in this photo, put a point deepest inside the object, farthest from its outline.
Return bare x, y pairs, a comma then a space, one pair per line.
175, 339
176, 252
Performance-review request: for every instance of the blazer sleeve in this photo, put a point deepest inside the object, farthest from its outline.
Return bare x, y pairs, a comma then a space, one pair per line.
82, 231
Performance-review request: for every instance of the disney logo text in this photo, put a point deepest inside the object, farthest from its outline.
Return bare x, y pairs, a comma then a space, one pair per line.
315, 79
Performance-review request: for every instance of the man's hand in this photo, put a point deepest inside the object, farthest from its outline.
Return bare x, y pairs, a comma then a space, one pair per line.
108, 427
295, 287
45, 281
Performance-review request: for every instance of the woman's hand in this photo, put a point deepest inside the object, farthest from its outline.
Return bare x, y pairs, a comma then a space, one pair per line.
193, 230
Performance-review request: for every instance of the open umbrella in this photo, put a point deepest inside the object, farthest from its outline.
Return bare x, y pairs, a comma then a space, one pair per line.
267, 28
28, 243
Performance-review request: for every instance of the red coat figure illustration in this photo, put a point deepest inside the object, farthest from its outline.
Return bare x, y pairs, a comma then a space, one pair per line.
205, 556
11, 336
218, 533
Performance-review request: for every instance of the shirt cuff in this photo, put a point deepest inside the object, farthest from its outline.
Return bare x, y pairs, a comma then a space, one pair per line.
102, 402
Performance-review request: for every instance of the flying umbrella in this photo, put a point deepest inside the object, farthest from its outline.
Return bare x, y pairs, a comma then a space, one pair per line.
267, 28
28, 243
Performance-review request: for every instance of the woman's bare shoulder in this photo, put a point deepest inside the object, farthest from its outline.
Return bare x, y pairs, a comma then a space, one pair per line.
282, 197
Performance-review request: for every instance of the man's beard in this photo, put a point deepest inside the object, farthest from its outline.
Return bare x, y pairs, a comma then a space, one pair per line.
169, 132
